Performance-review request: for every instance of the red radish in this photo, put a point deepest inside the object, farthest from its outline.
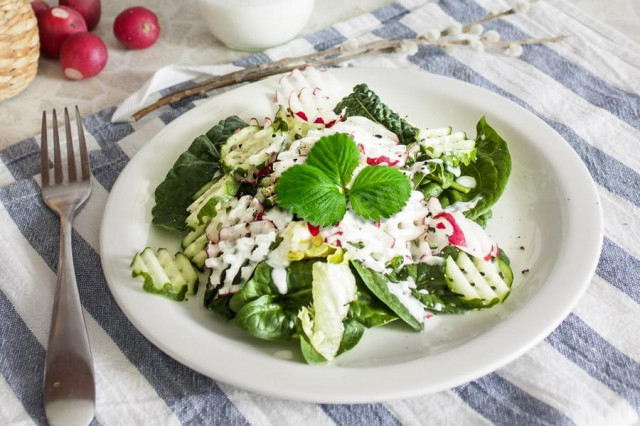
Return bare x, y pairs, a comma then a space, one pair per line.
39, 6
136, 27
89, 9
55, 25
83, 55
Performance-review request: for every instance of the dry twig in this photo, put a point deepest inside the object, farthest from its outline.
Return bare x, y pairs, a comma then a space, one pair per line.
341, 54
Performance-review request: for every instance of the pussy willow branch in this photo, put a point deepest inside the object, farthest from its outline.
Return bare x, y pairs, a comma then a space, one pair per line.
331, 56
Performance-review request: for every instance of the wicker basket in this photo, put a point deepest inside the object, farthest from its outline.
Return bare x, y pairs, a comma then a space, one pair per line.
19, 47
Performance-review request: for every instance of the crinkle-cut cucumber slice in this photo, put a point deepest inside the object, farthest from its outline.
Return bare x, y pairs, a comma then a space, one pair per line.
203, 208
293, 125
194, 246
479, 283
171, 276
435, 132
454, 143
250, 150
266, 192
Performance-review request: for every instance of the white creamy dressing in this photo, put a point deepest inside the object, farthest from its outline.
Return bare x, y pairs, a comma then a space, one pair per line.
296, 154
463, 206
407, 225
275, 141
377, 144
238, 257
365, 241
237, 242
453, 170
233, 212
423, 166
279, 217
279, 277
468, 181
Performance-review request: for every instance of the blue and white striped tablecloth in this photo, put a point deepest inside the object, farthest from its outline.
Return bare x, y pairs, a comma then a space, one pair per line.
586, 372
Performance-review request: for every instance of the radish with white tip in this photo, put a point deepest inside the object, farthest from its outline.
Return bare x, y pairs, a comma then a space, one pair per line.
55, 25
83, 55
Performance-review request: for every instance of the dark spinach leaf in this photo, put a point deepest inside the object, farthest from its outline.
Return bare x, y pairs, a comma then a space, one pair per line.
266, 319
490, 170
259, 285
431, 288
298, 294
191, 171
377, 284
353, 331
309, 353
216, 303
364, 102
369, 310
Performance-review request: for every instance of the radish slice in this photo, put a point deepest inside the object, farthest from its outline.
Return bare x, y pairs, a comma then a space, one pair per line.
310, 95
465, 234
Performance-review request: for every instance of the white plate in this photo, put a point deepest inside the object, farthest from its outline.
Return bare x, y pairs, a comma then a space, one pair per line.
548, 221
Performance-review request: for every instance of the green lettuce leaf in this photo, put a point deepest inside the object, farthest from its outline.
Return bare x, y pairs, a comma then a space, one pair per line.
215, 303
334, 287
353, 332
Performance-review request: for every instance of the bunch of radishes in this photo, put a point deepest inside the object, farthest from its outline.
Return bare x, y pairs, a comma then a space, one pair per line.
64, 33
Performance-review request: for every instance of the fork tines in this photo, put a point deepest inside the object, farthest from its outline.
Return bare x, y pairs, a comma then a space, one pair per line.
57, 157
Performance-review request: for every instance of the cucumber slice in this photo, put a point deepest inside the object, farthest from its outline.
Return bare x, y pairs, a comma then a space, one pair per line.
266, 192
171, 276
195, 245
294, 126
479, 283
193, 235
433, 133
250, 150
453, 149
221, 189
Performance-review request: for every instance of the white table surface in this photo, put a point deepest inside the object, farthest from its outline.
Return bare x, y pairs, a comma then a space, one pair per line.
185, 39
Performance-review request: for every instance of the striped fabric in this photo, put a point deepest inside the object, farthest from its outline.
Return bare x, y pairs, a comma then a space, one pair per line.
586, 372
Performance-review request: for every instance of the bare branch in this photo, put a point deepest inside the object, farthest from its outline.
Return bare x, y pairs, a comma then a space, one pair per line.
333, 56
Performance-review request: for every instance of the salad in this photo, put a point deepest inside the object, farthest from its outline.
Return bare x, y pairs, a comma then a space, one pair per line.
331, 217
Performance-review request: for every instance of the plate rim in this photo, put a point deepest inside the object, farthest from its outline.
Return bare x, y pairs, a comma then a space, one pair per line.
347, 395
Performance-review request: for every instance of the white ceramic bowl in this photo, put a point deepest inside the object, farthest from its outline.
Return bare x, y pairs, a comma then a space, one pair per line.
254, 25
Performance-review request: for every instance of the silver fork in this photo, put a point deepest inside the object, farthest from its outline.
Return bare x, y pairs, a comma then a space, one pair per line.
69, 386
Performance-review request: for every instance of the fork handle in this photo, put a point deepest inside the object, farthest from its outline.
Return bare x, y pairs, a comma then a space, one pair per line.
69, 385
